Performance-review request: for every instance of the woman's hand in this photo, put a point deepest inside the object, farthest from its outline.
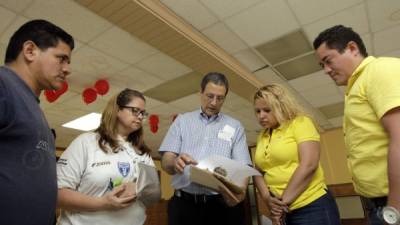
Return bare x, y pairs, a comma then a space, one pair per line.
130, 190
118, 198
276, 206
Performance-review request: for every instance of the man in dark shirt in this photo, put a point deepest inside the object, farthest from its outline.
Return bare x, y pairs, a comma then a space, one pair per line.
37, 58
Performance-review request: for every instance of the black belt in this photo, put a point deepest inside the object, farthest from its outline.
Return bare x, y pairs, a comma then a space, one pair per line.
197, 198
375, 203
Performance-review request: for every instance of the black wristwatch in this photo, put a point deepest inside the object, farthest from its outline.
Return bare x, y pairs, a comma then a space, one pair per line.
391, 215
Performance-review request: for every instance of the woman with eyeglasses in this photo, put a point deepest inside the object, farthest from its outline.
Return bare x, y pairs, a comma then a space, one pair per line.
288, 153
97, 172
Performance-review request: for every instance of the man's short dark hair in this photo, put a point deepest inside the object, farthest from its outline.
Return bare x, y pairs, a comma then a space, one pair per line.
43, 33
337, 37
215, 78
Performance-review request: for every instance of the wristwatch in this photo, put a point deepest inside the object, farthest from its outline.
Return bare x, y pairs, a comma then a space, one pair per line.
391, 215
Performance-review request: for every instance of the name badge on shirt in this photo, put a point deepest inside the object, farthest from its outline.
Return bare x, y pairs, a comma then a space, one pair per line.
226, 133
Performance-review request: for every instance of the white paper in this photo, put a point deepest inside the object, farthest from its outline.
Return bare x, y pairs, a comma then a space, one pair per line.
148, 185
237, 172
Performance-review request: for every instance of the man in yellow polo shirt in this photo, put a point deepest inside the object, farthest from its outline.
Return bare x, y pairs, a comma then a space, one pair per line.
371, 118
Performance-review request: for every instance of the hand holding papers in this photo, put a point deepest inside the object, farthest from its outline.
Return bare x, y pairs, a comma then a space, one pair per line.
210, 173
148, 185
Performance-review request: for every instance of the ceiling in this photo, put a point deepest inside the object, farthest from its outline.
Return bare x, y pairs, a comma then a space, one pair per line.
162, 48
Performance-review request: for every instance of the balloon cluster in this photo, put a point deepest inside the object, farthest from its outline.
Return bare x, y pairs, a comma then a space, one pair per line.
52, 95
101, 87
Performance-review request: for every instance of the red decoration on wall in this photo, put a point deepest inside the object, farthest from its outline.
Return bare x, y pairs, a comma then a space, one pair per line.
89, 95
51, 95
63, 89
153, 122
102, 87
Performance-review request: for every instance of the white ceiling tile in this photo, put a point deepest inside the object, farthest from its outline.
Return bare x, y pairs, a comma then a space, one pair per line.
7, 33
387, 40
235, 102
6, 18
355, 17
310, 81
15, 5
78, 81
321, 95
166, 109
381, 14
122, 45
88, 60
249, 59
97, 106
395, 53
224, 38
193, 12
226, 8
268, 76
318, 101
259, 23
163, 66
188, 103
81, 23
44, 104
152, 103
308, 11
337, 121
367, 39
135, 78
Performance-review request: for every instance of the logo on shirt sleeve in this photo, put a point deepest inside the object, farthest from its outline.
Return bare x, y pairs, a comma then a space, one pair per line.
124, 168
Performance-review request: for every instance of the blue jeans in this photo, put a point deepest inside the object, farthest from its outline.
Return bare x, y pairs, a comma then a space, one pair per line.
322, 211
373, 216
373, 207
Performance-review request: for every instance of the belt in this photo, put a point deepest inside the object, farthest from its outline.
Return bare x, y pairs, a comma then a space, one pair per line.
197, 198
375, 203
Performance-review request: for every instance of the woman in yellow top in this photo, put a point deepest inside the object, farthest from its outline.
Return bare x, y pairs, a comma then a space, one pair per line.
288, 154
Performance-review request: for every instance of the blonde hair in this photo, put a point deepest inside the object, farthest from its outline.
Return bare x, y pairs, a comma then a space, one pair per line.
283, 105
109, 120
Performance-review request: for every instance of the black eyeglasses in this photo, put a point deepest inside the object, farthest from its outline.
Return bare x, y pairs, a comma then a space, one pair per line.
210, 98
136, 111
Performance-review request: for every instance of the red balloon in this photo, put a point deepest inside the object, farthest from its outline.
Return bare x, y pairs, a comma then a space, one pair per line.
154, 128
153, 120
102, 87
89, 95
51, 95
63, 89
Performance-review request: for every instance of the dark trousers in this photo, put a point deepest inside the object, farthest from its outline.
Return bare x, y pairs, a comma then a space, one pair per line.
188, 210
373, 208
322, 211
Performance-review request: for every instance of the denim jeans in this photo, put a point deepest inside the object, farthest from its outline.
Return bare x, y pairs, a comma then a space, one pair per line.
322, 211
374, 217
373, 207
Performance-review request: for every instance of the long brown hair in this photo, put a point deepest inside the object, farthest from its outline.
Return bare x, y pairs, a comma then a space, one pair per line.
109, 121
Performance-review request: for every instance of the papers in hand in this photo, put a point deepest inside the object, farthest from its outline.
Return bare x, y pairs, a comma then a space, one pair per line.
236, 172
147, 184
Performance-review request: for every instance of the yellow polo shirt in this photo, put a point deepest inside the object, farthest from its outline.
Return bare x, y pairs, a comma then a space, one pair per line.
373, 89
278, 157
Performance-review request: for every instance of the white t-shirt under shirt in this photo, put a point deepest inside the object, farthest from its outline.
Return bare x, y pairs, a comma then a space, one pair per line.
85, 168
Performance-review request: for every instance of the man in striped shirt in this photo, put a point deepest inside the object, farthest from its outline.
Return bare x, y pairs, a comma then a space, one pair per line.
194, 136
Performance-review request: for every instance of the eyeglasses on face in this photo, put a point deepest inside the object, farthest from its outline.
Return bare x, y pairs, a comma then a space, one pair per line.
219, 98
136, 111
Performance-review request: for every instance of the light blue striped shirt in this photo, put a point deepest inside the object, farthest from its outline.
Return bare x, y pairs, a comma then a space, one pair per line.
195, 134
